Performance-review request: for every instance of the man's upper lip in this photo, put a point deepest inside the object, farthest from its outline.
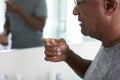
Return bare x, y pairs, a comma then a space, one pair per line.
80, 21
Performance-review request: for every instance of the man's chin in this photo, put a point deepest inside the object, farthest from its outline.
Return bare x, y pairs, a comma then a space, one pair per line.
84, 33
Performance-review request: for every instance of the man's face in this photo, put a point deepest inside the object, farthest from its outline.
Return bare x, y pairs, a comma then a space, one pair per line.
91, 15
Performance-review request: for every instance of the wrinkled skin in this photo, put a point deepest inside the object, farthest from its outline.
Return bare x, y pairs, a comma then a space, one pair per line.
11, 6
55, 50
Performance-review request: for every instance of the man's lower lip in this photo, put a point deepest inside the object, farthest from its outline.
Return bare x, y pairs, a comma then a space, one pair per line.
81, 24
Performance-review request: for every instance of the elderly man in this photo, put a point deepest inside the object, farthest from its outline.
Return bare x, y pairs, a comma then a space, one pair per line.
99, 19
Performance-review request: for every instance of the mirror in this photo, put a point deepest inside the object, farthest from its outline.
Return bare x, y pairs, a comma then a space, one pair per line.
59, 22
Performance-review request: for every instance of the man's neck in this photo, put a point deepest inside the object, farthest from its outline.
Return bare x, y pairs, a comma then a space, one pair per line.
111, 40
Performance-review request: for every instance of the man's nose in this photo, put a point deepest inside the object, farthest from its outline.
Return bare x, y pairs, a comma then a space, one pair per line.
75, 11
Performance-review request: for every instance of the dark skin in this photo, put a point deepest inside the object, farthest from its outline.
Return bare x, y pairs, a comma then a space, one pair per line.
100, 20
60, 51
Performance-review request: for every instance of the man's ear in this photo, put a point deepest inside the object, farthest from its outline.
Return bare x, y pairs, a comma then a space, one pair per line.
111, 6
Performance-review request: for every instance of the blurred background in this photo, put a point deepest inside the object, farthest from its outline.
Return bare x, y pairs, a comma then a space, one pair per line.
29, 64
61, 23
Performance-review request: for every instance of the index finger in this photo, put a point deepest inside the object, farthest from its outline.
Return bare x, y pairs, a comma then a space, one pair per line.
49, 42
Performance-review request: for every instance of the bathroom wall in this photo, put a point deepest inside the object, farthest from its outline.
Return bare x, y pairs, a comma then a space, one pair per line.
29, 64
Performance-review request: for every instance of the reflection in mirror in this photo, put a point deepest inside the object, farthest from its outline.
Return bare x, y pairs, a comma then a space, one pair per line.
25, 21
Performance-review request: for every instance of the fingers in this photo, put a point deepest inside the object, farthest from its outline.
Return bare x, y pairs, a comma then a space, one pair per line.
8, 1
53, 42
52, 49
52, 52
51, 56
4, 39
51, 45
49, 41
55, 58
12, 6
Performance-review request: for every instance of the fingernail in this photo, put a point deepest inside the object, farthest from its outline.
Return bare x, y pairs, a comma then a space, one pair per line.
58, 49
59, 53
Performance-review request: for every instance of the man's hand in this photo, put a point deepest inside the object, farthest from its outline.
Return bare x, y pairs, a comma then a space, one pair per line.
3, 39
55, 49
11, 6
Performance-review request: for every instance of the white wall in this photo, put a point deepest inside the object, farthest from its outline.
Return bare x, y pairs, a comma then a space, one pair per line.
2, 15
30, 63
73, 29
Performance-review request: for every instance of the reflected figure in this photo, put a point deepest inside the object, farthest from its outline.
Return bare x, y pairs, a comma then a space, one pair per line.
25, 21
